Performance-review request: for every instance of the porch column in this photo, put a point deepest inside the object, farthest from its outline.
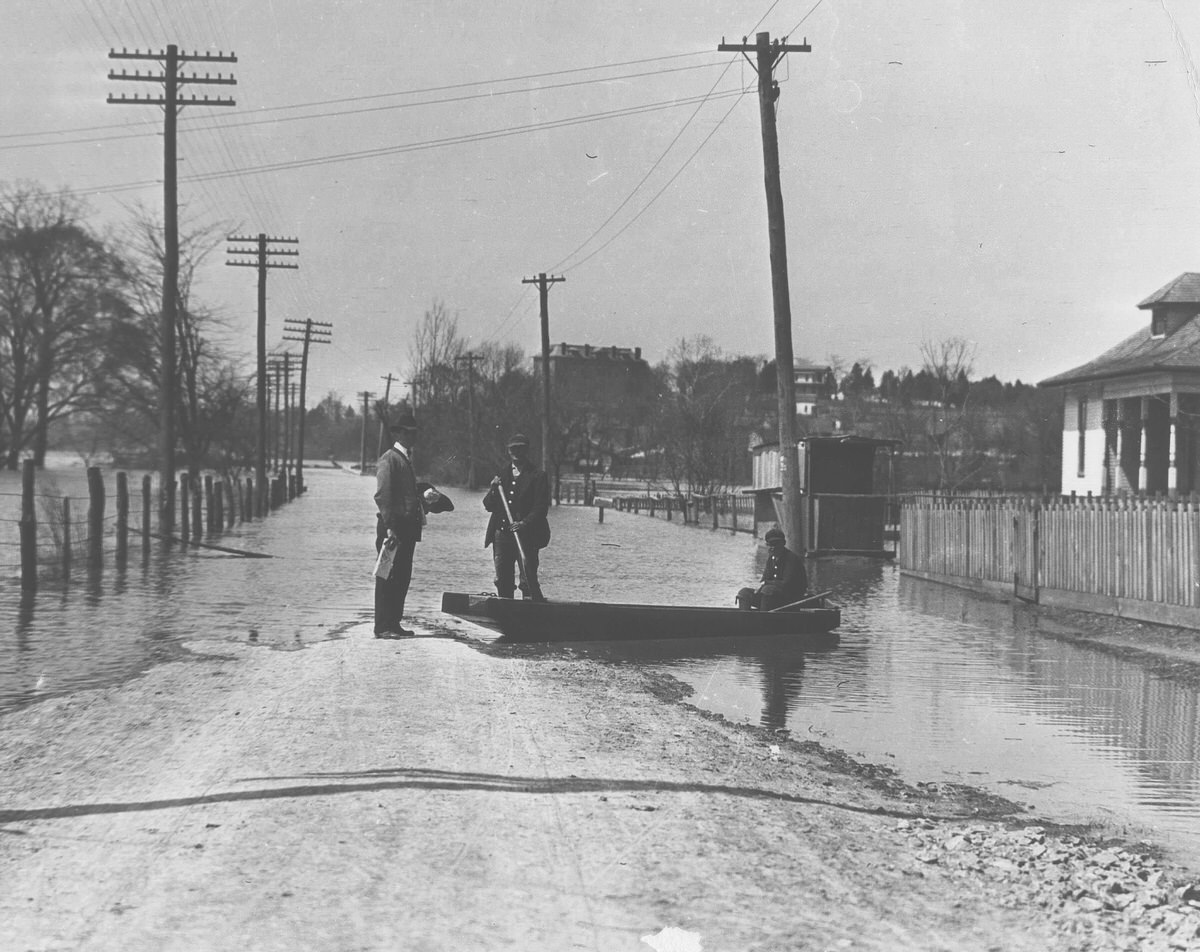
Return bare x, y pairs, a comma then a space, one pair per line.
1143, 470
1172, 472
1120, 483
1111, 441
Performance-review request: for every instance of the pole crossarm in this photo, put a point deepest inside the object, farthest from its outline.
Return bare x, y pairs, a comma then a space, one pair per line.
269, 239
171, 59
183, 56
775, 50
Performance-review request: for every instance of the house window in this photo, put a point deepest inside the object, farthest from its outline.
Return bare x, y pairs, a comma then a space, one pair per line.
1158, 324
1081, 426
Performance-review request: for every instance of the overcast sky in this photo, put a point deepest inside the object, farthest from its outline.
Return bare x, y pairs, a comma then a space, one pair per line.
1020, 174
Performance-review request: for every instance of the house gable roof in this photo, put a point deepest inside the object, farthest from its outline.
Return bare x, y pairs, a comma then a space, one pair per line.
1138, 353
1185, 289
1145, 351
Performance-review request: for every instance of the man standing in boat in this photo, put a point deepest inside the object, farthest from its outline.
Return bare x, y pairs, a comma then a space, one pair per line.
519, 500
784, 579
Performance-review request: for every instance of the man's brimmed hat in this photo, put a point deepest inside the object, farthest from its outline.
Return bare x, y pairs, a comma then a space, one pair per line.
774, 534
403, 420
518, 439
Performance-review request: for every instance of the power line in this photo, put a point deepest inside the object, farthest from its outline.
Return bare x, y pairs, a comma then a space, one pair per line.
658, 161
466, 138
375, 96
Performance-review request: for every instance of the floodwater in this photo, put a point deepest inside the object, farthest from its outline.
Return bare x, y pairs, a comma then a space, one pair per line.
939, 684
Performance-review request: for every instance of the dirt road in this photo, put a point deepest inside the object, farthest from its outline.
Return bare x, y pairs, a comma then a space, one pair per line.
422, 794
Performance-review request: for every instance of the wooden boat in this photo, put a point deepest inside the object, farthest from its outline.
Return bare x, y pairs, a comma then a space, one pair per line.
520, 620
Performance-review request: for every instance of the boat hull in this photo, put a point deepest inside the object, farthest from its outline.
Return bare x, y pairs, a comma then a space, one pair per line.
521, 620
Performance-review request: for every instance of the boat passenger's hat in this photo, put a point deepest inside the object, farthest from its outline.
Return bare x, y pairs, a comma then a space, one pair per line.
518, 439
403, 420
774, 534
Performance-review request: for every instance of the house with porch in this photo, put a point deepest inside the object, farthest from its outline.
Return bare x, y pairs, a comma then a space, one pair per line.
1131, 416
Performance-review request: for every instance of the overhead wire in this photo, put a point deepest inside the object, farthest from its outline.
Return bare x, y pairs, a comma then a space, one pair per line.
650, 172
307, 105
427, 144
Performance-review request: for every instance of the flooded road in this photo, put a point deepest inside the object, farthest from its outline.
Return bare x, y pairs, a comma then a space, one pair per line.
934, 682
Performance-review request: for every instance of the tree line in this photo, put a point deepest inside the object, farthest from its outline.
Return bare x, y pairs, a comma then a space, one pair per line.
80, 359
80, 337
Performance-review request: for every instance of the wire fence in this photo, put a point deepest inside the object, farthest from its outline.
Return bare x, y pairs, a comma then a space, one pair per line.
45, 532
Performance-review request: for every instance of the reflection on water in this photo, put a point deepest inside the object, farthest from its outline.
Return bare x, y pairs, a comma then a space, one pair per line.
946, 686
926, 678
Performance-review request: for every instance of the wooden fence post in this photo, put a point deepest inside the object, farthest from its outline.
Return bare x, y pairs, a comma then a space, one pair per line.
66, 531
733, 510
95, 517
184, 509
146, 484
122, 517
28, 528
197, 520
210, 522
218, 517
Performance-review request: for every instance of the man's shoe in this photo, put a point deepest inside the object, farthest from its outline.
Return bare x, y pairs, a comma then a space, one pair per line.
403, 633
386, 633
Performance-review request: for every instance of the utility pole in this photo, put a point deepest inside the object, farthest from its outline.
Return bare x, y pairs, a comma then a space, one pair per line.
362, 464
287, 415
315, 332
543, 282
264, 255
470, 360
273, 432
382, 410
171, 102
767, 55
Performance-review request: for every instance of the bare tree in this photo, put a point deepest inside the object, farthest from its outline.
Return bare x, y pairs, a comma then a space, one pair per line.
953, 431
213, 390
706, 416
60, 295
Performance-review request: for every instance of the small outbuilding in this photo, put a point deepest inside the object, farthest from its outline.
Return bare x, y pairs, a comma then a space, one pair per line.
846, 494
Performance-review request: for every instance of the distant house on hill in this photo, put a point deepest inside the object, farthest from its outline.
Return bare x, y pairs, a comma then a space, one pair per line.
1131, 420
814, 385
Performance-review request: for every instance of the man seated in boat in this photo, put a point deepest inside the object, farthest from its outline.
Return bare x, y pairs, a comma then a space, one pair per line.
784, 579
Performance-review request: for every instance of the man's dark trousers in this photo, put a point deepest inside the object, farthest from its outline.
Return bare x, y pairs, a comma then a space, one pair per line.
504, 557
391, 592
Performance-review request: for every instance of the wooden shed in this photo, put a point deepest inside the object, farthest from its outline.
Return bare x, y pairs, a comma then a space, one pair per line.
846, 489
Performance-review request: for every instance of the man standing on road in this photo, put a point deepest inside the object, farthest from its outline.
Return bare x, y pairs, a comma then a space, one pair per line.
527, 491
399, 523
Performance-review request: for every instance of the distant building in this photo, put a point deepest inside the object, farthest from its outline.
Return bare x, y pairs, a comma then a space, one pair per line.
814, 386
1130, 415
606, 394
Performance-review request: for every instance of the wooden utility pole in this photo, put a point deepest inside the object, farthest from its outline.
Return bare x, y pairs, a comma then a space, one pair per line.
470, 360
274, 433
314, 332
382, 412
263, 254
767, 55
366, 397
287, 414
171, 102
543, 282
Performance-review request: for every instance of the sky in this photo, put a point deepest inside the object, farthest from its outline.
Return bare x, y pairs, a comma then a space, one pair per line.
1016, 174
